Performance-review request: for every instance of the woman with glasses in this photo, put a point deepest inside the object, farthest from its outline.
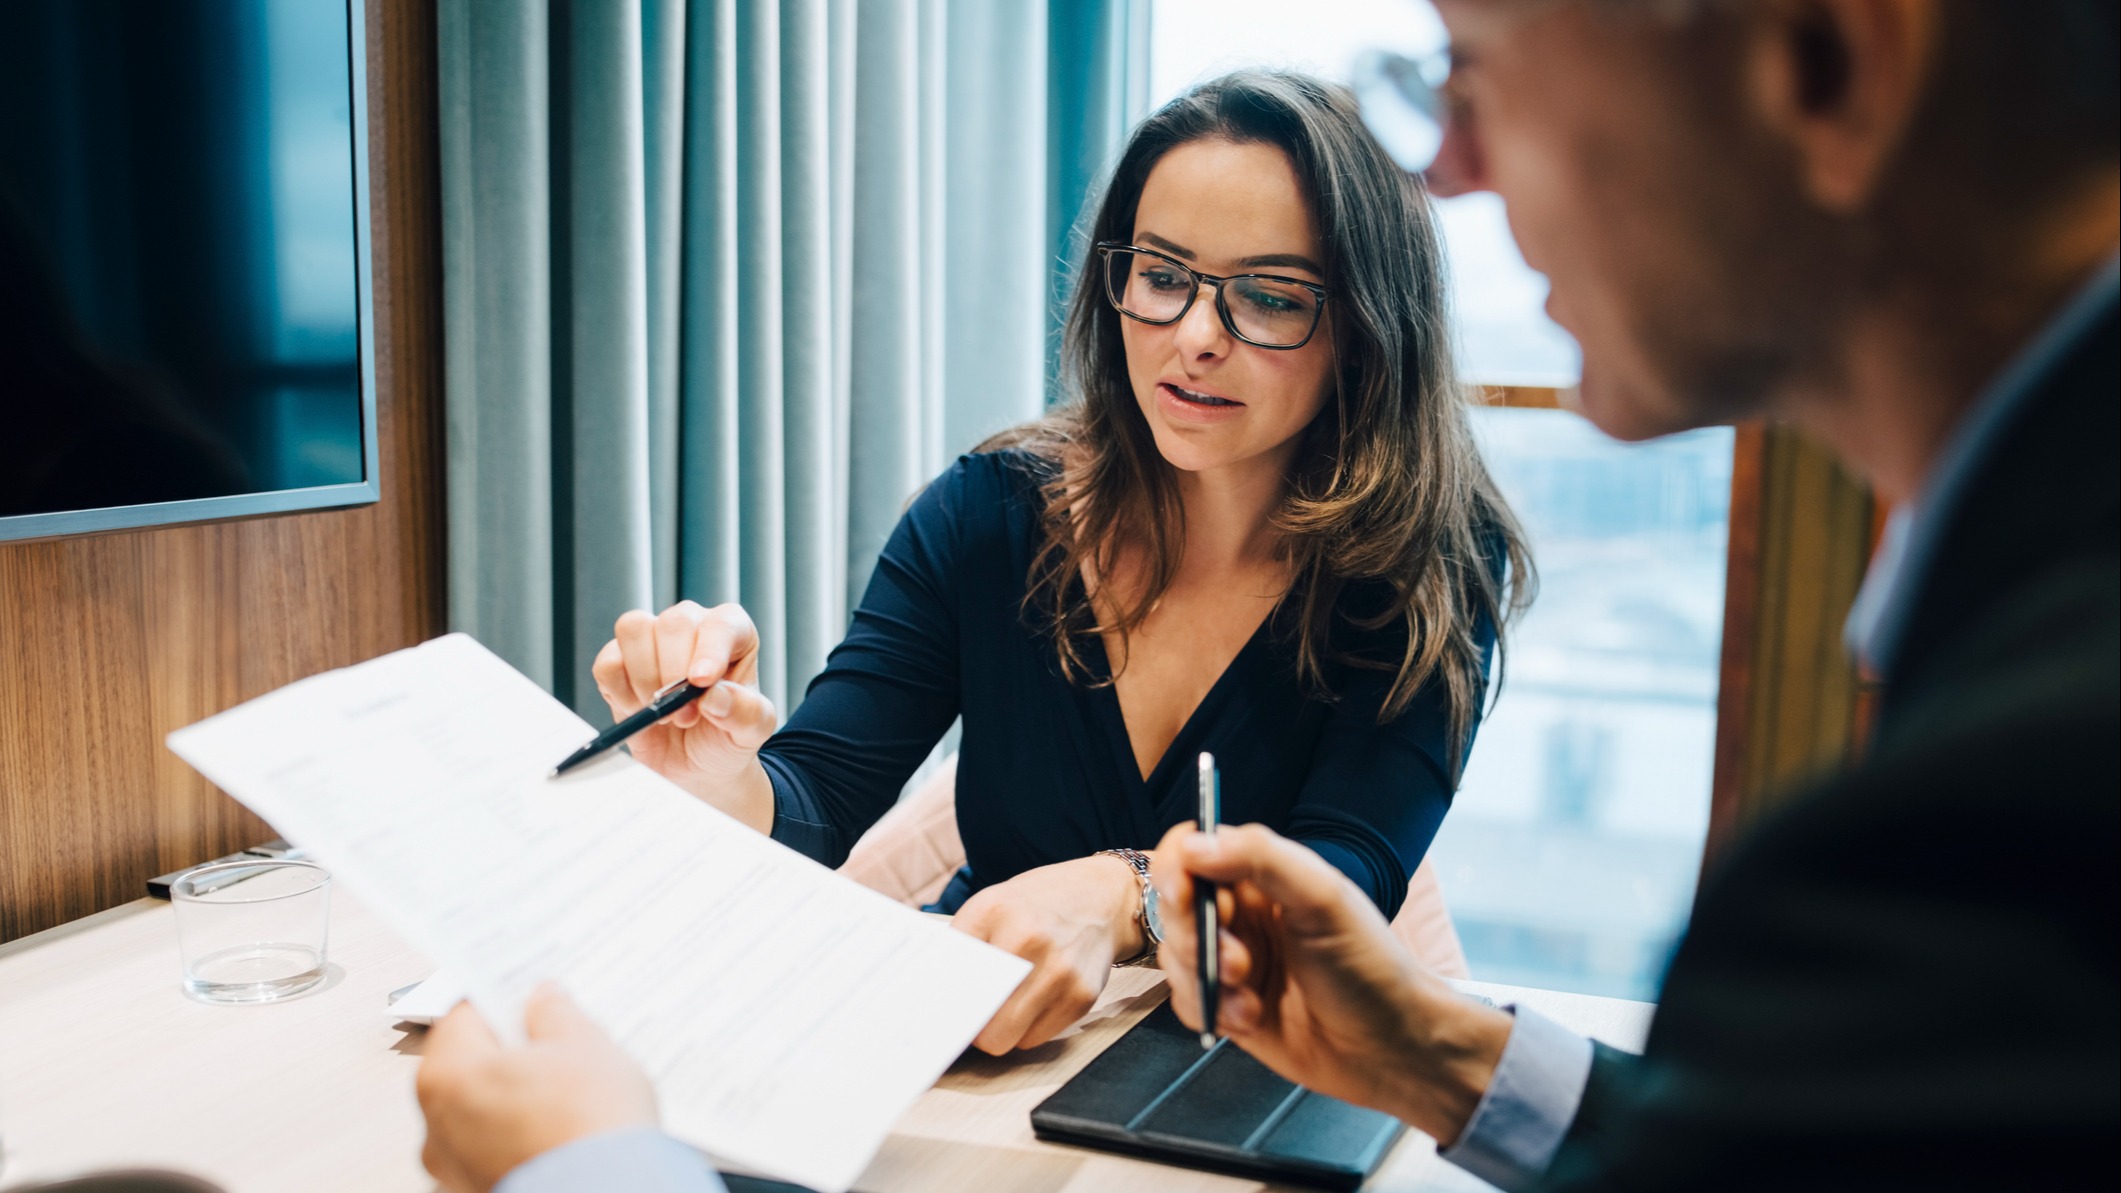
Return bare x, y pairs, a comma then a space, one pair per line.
1259, 528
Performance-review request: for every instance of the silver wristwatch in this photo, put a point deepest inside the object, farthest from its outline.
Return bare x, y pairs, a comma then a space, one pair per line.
1152, 922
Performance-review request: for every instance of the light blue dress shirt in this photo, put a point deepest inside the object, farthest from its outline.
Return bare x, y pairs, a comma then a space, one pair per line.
1529, 1104
642, 1160
1539, 1082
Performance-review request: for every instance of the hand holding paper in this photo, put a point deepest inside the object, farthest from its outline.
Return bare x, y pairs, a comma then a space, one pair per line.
490, 1108
786, 1015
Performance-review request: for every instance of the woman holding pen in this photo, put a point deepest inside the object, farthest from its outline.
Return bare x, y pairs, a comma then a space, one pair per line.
1259, 527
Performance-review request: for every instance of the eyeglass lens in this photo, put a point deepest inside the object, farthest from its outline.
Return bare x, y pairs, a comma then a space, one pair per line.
1264, 311
1403, 105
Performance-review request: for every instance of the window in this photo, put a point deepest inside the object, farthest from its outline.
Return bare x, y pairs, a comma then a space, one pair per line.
1570, 856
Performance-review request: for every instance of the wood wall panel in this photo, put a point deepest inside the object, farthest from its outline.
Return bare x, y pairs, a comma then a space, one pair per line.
1528, 397
108, 642
1788, 705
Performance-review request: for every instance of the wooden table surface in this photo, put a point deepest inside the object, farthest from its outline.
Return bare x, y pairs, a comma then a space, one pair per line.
104, 1064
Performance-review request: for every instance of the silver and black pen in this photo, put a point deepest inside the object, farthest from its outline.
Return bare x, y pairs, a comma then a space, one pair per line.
1206, 915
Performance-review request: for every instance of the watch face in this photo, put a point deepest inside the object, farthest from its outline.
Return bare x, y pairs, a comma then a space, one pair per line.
1152, 919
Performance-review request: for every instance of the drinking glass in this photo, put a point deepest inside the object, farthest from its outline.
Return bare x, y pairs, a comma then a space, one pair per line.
252, 931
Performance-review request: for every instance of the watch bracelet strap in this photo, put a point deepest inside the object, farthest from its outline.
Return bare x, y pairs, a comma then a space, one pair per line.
1140, 862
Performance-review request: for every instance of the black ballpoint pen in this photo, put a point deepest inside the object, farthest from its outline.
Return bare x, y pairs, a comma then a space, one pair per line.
661, 705
1206, 914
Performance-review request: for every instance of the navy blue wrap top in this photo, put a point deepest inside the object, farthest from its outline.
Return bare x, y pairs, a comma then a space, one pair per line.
1046, 772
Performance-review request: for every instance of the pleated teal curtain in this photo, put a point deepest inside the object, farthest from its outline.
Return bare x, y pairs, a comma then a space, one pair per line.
1098, 51
726, 282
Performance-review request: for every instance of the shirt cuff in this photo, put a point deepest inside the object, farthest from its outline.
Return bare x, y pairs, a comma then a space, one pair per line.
1528, 1107
638, 1159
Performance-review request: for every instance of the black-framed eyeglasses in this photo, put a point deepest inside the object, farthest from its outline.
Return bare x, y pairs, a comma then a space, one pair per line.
1264, 310
1407, 101
1404, 104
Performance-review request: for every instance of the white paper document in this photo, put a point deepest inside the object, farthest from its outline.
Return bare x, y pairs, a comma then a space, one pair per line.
787, 1015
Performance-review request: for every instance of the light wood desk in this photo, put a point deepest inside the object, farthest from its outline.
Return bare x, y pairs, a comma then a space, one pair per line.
104, 1064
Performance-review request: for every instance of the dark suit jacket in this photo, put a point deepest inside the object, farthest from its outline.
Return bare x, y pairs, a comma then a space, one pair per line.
1906, 976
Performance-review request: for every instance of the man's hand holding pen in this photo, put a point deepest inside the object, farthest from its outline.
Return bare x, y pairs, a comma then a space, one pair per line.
1315, 984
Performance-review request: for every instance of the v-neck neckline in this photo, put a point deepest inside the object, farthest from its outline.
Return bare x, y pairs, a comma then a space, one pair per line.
1106, 695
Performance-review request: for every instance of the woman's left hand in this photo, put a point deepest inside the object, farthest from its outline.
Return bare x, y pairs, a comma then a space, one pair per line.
1071, 921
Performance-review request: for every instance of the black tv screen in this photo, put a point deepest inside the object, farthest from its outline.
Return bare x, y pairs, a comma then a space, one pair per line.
183, 275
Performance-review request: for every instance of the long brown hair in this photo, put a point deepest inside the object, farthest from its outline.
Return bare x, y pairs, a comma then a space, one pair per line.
1387, 484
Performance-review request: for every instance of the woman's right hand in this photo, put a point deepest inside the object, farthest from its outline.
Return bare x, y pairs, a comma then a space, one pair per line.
710, 746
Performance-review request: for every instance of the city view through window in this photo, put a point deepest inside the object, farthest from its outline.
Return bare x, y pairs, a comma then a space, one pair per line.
1570, 855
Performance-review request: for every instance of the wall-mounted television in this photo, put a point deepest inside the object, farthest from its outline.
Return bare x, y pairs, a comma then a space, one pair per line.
185, 310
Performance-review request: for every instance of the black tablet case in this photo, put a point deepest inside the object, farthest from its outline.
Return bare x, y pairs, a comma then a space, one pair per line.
1155, 1094
739, 1183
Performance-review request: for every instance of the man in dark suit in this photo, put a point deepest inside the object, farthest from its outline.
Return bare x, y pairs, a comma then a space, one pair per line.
1892, 224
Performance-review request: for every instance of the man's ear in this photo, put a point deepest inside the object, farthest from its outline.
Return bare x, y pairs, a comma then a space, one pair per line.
1841, 81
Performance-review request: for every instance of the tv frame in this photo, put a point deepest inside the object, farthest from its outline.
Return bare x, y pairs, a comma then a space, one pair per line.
368, 490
